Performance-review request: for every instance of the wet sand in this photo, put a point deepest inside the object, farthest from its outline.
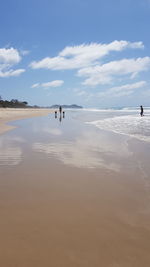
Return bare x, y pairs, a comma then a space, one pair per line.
11, 114
61, 213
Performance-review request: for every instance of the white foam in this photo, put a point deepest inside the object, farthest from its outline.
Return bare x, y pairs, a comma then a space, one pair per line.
131, 125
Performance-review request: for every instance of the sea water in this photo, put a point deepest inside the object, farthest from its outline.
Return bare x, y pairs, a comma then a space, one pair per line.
87, 138
126, 121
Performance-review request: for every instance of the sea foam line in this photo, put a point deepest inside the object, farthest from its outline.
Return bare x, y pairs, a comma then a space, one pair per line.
131, 125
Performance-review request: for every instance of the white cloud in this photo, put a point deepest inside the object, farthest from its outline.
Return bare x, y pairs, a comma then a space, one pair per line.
35, 85
77, 57
123, 90
86, 58
131, 86
11, 73
104, 74
8, 58
56, 83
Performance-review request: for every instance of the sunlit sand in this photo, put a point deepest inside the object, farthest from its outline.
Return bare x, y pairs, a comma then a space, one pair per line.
11, 114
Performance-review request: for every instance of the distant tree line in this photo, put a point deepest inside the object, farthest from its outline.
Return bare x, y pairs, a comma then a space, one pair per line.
14, 103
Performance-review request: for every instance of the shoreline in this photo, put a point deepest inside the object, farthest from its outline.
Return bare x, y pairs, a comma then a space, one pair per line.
11, 114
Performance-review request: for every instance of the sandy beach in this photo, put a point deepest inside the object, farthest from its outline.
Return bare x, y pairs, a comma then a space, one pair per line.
11, 114
72, 195
74, 133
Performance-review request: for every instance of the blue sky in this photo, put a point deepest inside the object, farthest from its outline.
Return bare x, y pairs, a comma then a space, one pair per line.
95, 53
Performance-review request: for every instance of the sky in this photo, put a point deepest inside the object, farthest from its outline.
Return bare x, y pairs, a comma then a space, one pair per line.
94, 53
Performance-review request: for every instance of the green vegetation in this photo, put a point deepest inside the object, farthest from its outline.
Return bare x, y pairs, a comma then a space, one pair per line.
14, 103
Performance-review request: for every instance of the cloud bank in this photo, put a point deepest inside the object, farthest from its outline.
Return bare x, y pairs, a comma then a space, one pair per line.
123, 90
90, 64
77, 57
8, 58
105, 74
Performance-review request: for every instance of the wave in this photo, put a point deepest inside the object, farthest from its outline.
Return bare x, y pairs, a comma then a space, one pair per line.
121, 109
131, 125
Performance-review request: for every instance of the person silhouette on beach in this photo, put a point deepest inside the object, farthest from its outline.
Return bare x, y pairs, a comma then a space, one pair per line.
63, 114
60, 109
141, 113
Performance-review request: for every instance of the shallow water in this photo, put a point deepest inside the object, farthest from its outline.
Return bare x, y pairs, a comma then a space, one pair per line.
74, 140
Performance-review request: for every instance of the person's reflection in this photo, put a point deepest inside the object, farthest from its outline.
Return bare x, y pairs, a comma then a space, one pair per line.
60, 118
55, 114
61, 115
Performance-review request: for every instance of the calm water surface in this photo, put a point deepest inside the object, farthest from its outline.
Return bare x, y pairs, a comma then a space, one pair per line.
74, 141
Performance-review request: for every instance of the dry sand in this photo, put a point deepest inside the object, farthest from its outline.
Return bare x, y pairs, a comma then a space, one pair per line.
11, 114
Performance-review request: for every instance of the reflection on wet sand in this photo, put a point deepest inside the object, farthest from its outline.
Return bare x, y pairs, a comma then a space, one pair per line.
90, 150
10, 150
60, 115
53, 131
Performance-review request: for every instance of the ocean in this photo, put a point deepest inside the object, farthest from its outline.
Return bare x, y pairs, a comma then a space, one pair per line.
126, 121
87, 138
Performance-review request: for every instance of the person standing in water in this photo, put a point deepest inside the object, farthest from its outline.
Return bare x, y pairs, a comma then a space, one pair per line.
60, 109
141, 113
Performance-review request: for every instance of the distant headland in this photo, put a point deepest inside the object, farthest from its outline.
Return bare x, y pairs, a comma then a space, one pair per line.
15, 103
66, 106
